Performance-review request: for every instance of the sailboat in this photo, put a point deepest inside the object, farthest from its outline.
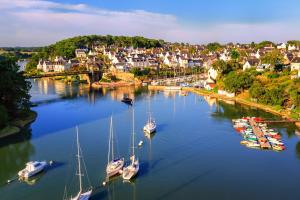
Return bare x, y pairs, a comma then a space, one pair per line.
114, 165
150, 126
82, 195
131, 170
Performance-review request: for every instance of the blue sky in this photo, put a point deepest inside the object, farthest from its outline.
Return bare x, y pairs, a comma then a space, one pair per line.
214, 11
42, 22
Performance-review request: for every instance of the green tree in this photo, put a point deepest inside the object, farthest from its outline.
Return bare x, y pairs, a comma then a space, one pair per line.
235, 55
273, 58
257, 90
222, 67
273, 96
264, 44
213, 46
237, 82
14, 88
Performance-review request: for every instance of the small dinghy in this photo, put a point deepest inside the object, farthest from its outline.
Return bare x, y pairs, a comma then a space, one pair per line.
127, 100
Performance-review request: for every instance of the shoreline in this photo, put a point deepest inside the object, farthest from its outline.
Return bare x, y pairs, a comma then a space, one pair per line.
239, 100
15, 126
97, 85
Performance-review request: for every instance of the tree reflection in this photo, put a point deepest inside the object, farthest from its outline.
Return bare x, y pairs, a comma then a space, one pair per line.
228, 111
298, 150
15, 151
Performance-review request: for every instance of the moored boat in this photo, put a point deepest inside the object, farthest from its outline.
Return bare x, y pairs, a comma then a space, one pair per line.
82, 194
114, 165
132, 169
32, 168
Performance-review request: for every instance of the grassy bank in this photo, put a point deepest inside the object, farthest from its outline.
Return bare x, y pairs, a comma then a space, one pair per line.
241, 99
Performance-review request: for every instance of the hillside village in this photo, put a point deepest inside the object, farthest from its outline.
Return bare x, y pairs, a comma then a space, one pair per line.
172, 56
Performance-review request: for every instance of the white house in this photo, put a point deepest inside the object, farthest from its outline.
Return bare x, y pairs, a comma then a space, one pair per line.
281, 46
292, 47
295, 64
225, 56
262, 67
212, 75
47, 66
183, 62
80, 53
60, 64
253, 62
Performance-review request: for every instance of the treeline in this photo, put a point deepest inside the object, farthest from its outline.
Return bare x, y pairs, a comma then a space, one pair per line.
273, 88
66, 48
14, 91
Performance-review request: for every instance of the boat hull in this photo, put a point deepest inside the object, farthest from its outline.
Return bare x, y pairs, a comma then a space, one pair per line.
26, 174
114, 167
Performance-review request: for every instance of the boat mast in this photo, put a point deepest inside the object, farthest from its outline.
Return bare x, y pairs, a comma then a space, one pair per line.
132, 131
78, 157
112, 139
149, 110
109, 141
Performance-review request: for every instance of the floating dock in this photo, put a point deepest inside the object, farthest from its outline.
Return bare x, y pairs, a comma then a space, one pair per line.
263, 141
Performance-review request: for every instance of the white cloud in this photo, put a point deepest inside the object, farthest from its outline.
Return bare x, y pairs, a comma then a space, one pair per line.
37, 22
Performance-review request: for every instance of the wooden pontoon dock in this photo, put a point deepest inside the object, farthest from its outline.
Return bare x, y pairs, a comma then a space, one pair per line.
263, 141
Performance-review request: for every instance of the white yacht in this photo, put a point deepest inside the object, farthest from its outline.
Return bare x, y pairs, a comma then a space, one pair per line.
131, 170
32, 168
114, 165
150, 127
82, 194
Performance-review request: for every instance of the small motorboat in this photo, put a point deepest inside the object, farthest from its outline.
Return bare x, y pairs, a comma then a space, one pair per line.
140, 143
252, 145
127, 100
278, 148
32, 168
244, 142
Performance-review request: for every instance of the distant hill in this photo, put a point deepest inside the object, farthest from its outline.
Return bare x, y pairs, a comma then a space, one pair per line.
66, 47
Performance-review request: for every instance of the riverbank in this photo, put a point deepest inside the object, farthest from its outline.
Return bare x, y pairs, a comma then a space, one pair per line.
16, 125
97, 85
283, 112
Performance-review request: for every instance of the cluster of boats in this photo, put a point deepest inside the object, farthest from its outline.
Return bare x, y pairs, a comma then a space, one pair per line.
267, 135
115, 164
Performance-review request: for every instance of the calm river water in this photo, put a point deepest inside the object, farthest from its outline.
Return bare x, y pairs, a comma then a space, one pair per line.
195, 154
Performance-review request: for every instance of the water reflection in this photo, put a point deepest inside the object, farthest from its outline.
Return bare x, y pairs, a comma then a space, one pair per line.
298, 150
61, 100
14, 153
47, 90
228, 111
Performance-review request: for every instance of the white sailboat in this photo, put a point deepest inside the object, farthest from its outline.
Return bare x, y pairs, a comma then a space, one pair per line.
150, 126
82, 195
114, 165
131, 170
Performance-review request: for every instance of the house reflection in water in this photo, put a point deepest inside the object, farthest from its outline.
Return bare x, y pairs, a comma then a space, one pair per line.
210, 100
